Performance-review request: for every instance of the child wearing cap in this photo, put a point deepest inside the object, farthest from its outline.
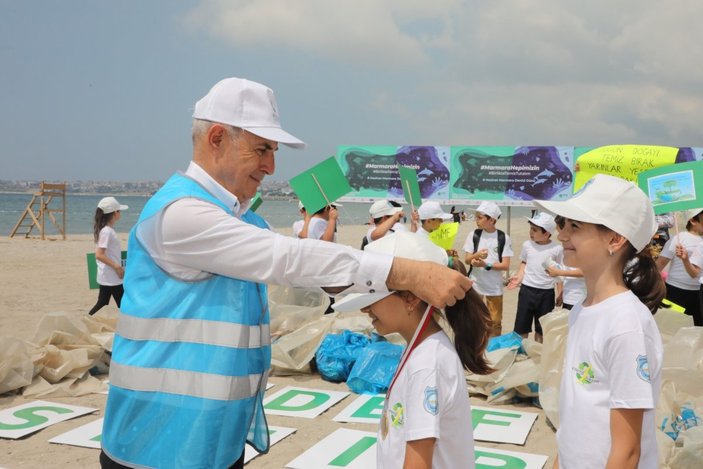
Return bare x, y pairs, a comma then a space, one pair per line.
681, 287
108, 253
611, 378
298, 224
695, 269
320, 225
431, 216
386, 216
426, 414
536, 297
488, 251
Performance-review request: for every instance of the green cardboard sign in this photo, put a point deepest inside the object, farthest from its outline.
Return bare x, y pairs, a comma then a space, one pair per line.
675, 187
411, 188
256, 202
322, 184
93, 269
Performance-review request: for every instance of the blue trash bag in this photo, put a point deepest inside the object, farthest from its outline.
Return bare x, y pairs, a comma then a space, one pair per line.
337, 353
509, 340
374, 368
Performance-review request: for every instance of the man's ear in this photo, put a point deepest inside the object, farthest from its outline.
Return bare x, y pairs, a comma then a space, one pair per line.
216, 135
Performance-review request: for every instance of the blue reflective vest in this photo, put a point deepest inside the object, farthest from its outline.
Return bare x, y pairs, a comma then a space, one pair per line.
181, 393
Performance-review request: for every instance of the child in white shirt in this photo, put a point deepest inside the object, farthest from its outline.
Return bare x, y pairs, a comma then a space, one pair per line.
612, 366
489, 257
537, 296
681, 287
426, 421
108, 252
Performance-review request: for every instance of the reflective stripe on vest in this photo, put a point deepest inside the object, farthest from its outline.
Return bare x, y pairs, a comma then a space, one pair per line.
194, 330
190, 383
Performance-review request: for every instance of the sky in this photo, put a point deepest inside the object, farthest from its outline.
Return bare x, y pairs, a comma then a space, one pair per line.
104, 90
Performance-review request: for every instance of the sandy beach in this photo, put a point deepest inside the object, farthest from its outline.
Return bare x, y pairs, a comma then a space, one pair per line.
39, 277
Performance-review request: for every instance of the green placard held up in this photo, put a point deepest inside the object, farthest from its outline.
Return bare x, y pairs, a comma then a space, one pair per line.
93, 269
411, 188
320, 185
675, 187
256, 202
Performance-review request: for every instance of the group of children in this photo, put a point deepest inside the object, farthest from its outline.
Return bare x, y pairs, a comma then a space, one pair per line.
601, 269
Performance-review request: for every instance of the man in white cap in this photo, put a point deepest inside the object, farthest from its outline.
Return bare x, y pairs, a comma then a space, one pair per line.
431, 216
192, 352
488, 252
386, 216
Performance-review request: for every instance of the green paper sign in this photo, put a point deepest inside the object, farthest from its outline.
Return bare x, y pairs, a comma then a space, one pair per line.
675, 187
256, 202
93, 269
411, 189
320, 185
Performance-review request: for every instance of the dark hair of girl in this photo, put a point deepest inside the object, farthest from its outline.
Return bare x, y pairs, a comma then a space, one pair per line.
101, 220
697, 218
471, 322
642, 277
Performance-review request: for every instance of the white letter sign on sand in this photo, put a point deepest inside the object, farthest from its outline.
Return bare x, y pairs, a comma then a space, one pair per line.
491, 458
501, 426
364, 409
276, 434
24, 419
349, 449
300, 402
88, 435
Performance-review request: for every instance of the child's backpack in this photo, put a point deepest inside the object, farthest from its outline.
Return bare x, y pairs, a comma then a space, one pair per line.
501, 245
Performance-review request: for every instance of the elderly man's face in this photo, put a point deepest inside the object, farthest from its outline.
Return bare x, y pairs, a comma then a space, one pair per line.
248, 159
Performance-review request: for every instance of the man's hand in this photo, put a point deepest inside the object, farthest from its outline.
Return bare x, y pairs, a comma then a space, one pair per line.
437, 285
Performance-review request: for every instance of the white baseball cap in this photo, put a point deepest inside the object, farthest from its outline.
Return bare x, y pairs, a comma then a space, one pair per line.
688, 214
432, 209
490, 209
544, 220
399, 244
381, 208
248, 105
612, 202
110, 204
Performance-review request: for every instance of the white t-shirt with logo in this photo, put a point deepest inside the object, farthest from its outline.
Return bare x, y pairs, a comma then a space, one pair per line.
678, 277
613, 360
488, 282
429, 400
107, 239
536, 256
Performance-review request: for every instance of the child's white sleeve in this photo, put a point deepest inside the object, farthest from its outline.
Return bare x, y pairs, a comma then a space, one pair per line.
669, 249
632, 365
423, 405
469, 243
103, 238
523, 252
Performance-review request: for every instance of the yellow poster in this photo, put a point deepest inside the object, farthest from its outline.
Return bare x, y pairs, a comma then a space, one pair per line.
624, 161
444, 235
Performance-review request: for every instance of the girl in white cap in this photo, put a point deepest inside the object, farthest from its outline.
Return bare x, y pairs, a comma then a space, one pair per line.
426, 421
108, 252
683, 288
611, 376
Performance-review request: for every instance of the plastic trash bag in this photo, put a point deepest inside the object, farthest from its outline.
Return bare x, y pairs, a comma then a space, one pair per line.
374, 368
337, 354
292, 307
555, 330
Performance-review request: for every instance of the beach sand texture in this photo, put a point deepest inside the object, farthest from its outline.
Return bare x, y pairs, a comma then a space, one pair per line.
38, 277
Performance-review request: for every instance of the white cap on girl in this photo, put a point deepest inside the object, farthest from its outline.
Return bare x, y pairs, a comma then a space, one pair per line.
110, 204
612, 202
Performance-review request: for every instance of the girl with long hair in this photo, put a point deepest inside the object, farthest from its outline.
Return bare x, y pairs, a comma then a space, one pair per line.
426, 419
108, 252
611, 378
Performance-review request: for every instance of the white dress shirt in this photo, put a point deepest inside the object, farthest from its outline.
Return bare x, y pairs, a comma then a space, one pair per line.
192, 239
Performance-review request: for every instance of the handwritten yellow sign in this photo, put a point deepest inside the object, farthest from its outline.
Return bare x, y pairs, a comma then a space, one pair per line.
624, 161
445, 235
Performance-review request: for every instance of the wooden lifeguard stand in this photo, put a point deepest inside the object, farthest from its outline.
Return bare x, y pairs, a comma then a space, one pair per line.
38, 210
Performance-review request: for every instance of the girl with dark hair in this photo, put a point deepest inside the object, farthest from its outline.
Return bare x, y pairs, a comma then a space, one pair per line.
108, 252
427, 414
611, 378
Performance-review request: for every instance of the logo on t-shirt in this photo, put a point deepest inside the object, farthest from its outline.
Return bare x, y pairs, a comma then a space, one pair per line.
584, 373
430, 402
643, 368
397, 415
